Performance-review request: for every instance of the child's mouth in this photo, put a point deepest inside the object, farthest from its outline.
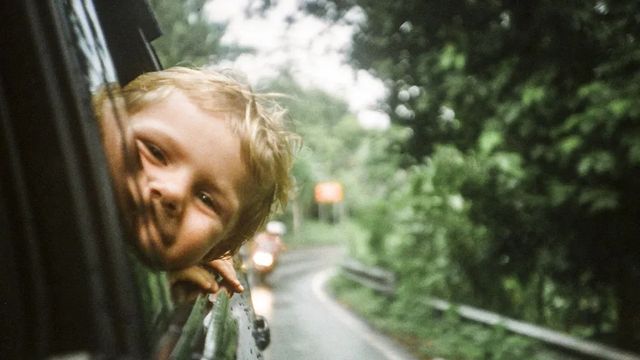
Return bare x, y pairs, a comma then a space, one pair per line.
156, 227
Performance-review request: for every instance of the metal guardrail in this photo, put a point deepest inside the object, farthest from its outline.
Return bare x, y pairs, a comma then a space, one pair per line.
383, 281
375, 278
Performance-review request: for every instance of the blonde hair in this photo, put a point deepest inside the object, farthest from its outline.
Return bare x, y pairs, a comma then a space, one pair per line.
267, 147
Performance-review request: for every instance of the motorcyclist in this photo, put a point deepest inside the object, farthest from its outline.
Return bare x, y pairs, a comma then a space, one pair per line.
266, 247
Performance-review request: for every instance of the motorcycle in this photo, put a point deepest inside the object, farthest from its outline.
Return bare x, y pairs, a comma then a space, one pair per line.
266, 249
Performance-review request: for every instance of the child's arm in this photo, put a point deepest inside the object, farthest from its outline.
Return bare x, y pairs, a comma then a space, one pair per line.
187, 283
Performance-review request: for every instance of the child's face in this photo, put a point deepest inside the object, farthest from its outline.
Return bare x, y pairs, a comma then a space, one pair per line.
191, 180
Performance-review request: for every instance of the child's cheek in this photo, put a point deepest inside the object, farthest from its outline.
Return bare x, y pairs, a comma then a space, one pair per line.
199, 234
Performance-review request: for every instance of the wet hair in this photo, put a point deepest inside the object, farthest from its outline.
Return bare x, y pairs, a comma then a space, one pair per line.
267, 147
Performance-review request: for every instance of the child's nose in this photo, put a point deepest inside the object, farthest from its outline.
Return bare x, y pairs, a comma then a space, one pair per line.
169, 195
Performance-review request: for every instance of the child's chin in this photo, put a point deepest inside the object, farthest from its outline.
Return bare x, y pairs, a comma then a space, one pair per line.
156, 255
150, 248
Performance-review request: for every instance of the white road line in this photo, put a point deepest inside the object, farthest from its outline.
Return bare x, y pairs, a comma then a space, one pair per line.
356, 325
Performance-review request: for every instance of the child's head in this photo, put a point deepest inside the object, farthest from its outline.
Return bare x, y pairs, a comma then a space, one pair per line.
214, 162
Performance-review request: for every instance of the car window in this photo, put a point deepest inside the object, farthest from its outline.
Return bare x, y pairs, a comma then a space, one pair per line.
94, 56
71, 284
69, 281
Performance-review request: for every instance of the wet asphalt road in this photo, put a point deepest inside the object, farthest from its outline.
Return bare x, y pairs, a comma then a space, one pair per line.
305, 322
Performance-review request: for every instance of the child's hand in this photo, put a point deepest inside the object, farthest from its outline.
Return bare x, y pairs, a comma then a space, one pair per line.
224, 267
187, 283
196, 276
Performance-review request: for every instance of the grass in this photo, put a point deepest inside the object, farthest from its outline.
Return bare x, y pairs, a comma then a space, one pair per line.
430, 334
317, 233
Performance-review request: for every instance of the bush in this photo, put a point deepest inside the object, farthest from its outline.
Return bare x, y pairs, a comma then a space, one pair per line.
437, 230
430, 333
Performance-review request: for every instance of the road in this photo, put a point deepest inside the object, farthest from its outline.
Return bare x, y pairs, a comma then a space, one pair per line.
305, 322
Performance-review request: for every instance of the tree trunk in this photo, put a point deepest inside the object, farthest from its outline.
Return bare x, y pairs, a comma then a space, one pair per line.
628, 333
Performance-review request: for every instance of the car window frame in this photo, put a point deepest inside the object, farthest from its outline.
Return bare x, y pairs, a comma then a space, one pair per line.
70, 282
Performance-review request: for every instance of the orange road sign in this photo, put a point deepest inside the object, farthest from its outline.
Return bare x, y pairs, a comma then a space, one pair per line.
328, 192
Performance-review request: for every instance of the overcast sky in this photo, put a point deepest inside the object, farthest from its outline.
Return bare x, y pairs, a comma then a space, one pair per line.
312, 50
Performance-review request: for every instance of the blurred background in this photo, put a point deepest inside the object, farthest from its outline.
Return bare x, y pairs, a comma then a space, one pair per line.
483, 152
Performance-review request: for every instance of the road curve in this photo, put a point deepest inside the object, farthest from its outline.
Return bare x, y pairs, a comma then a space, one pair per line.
305, 321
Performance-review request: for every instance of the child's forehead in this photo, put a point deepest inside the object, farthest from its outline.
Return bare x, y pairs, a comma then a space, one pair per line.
179, 99
214, 101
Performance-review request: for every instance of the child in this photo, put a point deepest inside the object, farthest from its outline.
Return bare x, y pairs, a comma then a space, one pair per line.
199, 161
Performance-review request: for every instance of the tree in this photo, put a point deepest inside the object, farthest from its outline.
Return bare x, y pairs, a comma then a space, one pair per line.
557, 84
189, 37
327, 129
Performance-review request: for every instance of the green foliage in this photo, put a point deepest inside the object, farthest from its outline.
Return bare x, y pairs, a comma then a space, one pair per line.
189, 37
315, 233
536, 104
509, 180
337, 148
430, 334
453, 226
329, 131
329, 134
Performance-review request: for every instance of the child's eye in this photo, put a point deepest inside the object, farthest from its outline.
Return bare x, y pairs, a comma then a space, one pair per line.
206, 199
156, 152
